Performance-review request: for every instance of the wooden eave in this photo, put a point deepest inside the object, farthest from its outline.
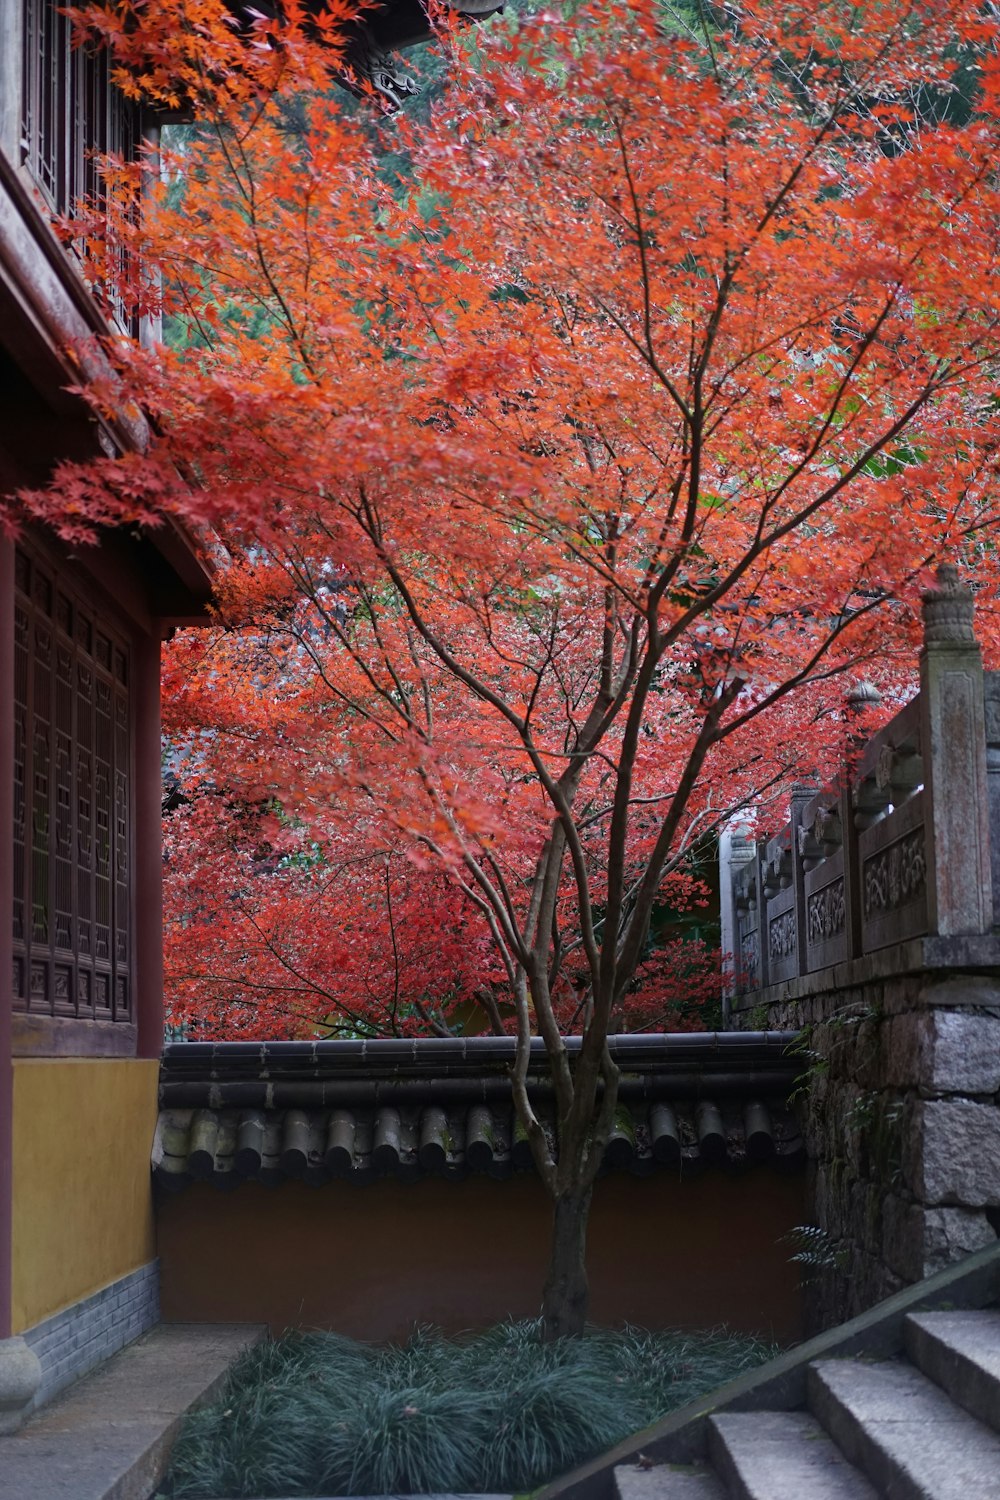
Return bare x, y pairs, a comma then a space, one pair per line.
45, 312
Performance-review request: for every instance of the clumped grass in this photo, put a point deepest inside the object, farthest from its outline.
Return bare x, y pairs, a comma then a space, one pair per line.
317, 1414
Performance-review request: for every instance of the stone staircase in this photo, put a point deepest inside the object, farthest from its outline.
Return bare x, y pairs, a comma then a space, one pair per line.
923, 1425
901, 1401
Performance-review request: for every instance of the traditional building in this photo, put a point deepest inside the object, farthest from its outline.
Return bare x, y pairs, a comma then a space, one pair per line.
81, 1020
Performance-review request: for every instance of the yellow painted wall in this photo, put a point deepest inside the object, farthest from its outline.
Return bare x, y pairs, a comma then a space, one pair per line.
83, 1213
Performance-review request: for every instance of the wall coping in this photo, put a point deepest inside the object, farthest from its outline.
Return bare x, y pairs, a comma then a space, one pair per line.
283, 1074
629, 1049
939, 958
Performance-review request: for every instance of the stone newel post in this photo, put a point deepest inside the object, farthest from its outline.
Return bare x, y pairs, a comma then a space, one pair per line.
959, 882
20, 1377
736, 849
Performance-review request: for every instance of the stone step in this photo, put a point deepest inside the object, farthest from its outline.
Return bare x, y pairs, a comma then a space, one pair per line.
960, 1351
912, 1441
667, 1482
781, 1455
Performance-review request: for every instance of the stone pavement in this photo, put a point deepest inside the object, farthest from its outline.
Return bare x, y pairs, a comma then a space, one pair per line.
108, 1437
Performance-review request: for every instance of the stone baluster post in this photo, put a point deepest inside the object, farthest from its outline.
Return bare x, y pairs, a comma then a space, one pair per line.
992, 704
763, 968
856, 815
953, 746
801, 794
736, 848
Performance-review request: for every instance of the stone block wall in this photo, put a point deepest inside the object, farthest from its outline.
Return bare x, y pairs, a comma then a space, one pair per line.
80, 1336
900, 1108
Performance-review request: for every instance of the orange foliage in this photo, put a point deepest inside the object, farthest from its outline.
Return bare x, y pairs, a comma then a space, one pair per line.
563, 492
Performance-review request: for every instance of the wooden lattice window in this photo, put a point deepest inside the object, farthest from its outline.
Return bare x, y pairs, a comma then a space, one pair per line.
72, 113
72, 803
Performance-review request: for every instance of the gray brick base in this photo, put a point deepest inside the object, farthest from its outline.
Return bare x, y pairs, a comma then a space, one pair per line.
79, 1337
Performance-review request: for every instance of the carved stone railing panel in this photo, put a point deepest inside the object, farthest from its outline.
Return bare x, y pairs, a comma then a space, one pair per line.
782, 938
749, 972
780, 927
825, 906
893, 858
827, 934
888, 812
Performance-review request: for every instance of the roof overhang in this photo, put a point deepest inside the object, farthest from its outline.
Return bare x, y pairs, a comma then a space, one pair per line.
49, 327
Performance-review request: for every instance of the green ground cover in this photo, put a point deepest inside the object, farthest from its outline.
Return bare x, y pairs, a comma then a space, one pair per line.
317, 1414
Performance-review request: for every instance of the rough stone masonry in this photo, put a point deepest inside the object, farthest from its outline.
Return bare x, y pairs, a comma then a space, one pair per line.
898, 1008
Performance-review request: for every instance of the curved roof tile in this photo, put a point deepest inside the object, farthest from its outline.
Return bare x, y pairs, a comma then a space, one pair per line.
229, 1146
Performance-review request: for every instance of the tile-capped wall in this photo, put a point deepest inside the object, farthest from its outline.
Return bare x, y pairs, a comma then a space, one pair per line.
79, 1337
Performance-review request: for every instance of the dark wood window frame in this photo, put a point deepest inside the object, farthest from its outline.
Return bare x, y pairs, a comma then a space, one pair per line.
71, 115
74, 963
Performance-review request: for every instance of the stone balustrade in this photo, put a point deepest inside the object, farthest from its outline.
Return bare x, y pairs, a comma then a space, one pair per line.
898, 847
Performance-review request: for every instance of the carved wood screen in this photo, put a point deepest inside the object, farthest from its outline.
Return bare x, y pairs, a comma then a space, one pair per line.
72, 804
72, 113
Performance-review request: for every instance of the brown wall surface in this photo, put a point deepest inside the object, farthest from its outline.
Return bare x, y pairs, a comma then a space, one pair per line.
370, 1261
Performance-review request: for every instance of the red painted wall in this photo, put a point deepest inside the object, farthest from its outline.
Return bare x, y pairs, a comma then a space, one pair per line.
370, 1261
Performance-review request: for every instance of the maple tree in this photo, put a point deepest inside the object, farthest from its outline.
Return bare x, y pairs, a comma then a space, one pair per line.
274, 933
561, 489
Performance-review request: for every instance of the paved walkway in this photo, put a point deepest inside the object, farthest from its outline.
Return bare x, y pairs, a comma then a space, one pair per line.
108, 1436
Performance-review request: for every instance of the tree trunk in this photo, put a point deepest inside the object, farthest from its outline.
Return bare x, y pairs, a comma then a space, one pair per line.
566, 1295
